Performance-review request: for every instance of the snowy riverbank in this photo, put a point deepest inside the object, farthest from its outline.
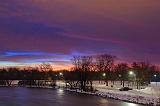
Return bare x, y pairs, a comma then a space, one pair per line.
134, 98
148, 96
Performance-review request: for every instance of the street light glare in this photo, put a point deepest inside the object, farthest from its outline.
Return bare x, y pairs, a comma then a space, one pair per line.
60, 74
104, 74
131, 73
120, 75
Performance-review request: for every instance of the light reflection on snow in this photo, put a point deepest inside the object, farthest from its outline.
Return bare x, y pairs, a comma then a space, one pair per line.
131, 104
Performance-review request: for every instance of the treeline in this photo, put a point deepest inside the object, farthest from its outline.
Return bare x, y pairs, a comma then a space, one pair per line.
38, 76
103, 67
25, 74
87, 69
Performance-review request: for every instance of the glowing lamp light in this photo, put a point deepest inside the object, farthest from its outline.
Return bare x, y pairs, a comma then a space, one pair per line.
155, 75
104, 74
60, 74
131, 73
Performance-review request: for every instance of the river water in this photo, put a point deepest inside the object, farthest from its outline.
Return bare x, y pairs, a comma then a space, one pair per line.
52, 97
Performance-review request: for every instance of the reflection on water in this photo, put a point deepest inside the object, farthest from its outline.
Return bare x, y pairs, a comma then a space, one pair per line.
52, 97
60, 91
130, 104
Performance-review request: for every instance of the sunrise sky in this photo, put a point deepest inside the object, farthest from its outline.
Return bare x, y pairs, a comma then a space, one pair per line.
36, 31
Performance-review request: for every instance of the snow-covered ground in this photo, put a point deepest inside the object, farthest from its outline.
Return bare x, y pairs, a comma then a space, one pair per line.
154, 91
60, 83
149, 95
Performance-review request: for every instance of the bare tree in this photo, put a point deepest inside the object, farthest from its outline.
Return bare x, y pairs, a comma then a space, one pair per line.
104, 64
46, 67
122, 70
143, 72
82, 64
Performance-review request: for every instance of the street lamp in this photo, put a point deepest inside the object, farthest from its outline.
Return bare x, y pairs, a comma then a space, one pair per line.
61, 74
104, 74
131, 73
155, 76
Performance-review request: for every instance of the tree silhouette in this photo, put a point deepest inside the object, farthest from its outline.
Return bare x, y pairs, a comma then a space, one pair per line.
105, 64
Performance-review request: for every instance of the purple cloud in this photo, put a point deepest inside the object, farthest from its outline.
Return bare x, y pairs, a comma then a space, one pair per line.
128, 29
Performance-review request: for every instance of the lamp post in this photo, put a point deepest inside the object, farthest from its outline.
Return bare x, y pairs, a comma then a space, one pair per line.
60, 79
104, 75
155, 76
120, 78
132, 74
61, 74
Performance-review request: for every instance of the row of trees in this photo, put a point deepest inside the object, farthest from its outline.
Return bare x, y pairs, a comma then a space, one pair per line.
103, 67
86, 69
28, 76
